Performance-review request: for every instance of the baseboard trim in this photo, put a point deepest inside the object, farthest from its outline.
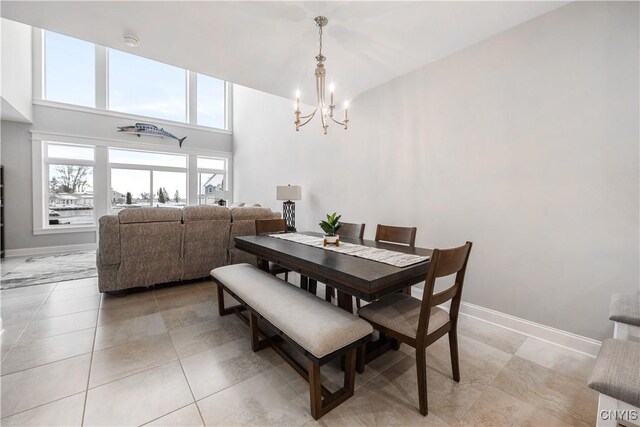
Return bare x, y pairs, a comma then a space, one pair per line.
551, 335
49, 250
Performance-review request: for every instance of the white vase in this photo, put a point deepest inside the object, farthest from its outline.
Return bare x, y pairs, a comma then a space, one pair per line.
331, 240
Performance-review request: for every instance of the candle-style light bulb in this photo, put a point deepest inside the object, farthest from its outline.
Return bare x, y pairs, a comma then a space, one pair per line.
297, 100
332, 87
346, 106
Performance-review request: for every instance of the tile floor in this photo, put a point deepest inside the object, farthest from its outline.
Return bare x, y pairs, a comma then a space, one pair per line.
72, 356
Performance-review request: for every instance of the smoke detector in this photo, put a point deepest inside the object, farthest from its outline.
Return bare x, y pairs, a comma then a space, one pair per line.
131, 41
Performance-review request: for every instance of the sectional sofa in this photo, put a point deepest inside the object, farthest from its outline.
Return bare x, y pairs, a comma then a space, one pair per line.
141, 247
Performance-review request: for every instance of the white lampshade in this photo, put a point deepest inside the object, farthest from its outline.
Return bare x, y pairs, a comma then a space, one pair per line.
289, 192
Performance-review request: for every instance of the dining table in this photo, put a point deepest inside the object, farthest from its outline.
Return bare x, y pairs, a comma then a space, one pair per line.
350, 275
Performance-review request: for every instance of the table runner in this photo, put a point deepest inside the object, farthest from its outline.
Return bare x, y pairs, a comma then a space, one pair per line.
397, 259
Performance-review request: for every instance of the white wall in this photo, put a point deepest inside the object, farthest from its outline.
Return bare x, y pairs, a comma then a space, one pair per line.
526, 144
16, 157
15, 68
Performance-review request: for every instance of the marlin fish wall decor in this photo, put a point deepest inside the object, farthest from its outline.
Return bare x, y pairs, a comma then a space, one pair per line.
147, 129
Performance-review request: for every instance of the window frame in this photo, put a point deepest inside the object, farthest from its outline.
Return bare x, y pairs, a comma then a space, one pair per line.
41, 210
151, 169
102, 175
224, 172
102, 91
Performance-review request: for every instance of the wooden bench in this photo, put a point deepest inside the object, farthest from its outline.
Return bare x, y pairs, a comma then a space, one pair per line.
319, 330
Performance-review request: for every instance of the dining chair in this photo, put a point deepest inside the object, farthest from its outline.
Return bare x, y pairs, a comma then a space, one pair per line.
421, 323
269, 226
348, 229
393, 234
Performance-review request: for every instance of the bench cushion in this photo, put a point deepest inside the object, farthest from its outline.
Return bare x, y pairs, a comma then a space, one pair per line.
615, 372
401, 313
625, 308
317, 326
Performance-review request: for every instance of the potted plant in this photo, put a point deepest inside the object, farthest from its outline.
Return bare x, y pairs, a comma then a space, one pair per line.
330, 228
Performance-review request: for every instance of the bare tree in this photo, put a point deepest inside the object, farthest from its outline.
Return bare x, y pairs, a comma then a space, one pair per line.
71, 179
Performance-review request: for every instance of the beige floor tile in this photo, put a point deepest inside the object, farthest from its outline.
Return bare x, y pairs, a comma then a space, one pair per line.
34, 387
59, 325
47, 350
130, 358
493, 335
19, 301
109, 301
369, 407
564, 396
191, 314
184, 417
182, 298
447, 399
264, 399
138, 399
479, 362
211, 371
72, 284
11, 334
127, 310
203, 336
557, 358
65, 294
120, 332
60, 308
496, 408
27, 290
18, 316
63, 412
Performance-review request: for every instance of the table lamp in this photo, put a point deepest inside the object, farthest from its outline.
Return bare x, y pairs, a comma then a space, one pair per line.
288, 193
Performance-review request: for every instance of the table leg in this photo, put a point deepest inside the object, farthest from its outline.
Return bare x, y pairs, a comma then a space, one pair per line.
263, 264
345, 301
313, 286
304, 282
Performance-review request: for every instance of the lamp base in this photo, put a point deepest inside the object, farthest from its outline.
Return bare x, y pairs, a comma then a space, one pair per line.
289, 214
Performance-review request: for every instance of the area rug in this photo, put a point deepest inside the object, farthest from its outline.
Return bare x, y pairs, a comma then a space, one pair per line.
39, 270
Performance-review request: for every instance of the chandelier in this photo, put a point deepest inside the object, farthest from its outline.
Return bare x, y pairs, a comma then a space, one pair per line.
326, 111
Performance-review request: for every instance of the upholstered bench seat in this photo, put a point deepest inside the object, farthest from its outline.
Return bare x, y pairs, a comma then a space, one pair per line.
315, 325
625, 308
616, 372
401, 313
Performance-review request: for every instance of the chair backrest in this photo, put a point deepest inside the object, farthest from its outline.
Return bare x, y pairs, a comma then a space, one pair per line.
393, 234
264, 226
444, 262
349, 229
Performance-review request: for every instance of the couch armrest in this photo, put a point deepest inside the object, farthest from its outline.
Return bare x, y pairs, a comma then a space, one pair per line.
109, 241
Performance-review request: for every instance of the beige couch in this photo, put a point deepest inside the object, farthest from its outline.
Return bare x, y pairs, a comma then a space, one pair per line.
148, 246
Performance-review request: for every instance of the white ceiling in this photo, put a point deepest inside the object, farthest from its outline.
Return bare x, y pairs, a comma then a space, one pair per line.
271, 46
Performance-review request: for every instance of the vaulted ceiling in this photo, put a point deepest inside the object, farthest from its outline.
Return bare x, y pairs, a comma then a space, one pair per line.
270, 46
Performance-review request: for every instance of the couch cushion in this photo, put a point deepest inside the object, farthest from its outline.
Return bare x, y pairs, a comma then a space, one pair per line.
244, 224
615, 372
137, 215
625, 308
252, 213
151, 253
205, 213
401, 313
317, 326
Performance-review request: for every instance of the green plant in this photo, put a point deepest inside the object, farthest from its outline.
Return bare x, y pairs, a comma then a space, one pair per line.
331, 225
129, 201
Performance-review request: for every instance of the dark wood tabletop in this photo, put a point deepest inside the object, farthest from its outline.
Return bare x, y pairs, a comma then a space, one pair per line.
359, 277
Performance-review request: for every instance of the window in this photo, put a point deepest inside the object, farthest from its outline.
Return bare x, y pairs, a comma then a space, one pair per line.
136, 85
146, 179
69, 193
211, 181
211, 102
144, 87
70, 70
